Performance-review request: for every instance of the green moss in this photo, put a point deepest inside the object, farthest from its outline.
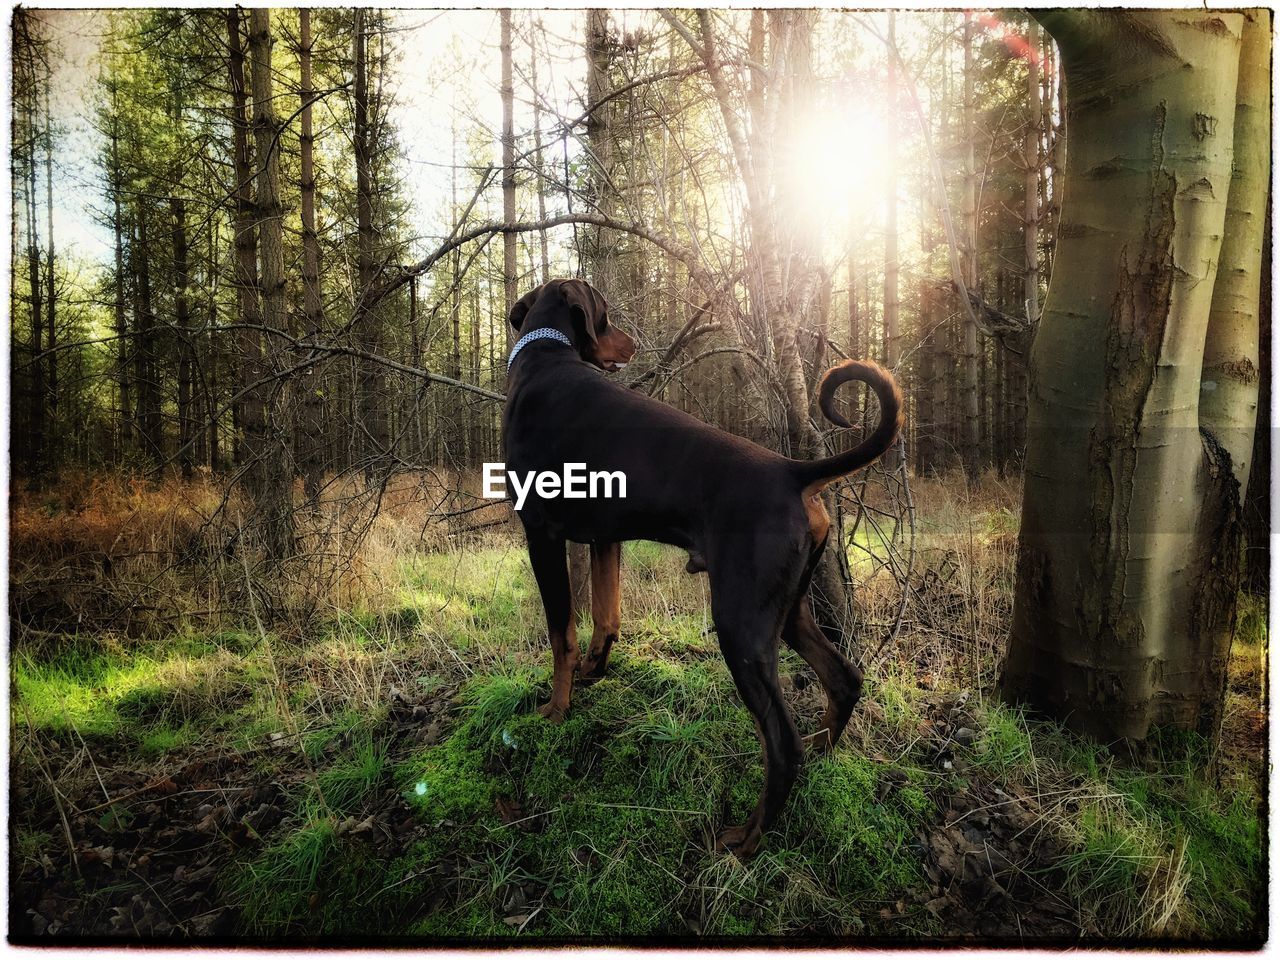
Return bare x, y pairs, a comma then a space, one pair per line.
623, 799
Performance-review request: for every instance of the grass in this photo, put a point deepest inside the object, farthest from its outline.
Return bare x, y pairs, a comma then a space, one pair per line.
502, 826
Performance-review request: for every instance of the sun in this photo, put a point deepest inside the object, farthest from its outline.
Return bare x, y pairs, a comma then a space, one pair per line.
836, 163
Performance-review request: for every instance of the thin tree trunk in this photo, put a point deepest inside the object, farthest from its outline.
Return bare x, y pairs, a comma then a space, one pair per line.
213, 344
891, 297
367, 327
1031, 183
969, 411
250, 412
312, 301
121, 322
148, 367
182, 320
855, 333
51, 294
510, 277
37, 437
537, 157
276, 502
602, 190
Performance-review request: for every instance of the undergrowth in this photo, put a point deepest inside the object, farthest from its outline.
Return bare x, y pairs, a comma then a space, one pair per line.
499, 825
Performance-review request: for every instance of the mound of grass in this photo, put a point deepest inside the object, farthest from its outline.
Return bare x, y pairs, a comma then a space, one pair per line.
603, 826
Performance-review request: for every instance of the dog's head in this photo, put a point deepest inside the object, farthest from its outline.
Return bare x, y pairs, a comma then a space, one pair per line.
577, 310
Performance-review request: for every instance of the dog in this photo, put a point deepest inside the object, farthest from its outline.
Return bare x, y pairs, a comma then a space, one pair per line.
753, 520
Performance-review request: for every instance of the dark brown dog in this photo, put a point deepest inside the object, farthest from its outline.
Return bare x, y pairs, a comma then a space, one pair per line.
753, 520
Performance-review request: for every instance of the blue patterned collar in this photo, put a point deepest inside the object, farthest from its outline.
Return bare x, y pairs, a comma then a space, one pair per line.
542, 333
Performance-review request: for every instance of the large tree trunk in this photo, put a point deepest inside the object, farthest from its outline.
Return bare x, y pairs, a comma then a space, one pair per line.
1230, 379
1111, 595
312, 301
275, 503
1257, 510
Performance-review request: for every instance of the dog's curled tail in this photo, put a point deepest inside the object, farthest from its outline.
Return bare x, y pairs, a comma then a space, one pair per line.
816, 474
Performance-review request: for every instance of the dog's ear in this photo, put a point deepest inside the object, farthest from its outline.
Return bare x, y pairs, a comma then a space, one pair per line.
520, 309
588, 308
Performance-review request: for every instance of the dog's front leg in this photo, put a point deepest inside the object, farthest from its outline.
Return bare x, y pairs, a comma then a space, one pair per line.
547, 555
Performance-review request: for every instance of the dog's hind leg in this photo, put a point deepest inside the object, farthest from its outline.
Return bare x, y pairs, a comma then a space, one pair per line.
550, 569
841, 680
756, 677
606, 608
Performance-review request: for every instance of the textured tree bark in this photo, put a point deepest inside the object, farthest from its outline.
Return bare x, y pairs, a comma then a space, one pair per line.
1110, 594
1229, 388
275, 503
312, 301
1229, 384
1257, 510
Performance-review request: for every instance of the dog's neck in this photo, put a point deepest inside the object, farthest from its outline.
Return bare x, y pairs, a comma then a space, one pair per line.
542, 333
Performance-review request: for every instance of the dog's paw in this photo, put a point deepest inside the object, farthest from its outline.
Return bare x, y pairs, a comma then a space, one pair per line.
552, 712
740, 841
